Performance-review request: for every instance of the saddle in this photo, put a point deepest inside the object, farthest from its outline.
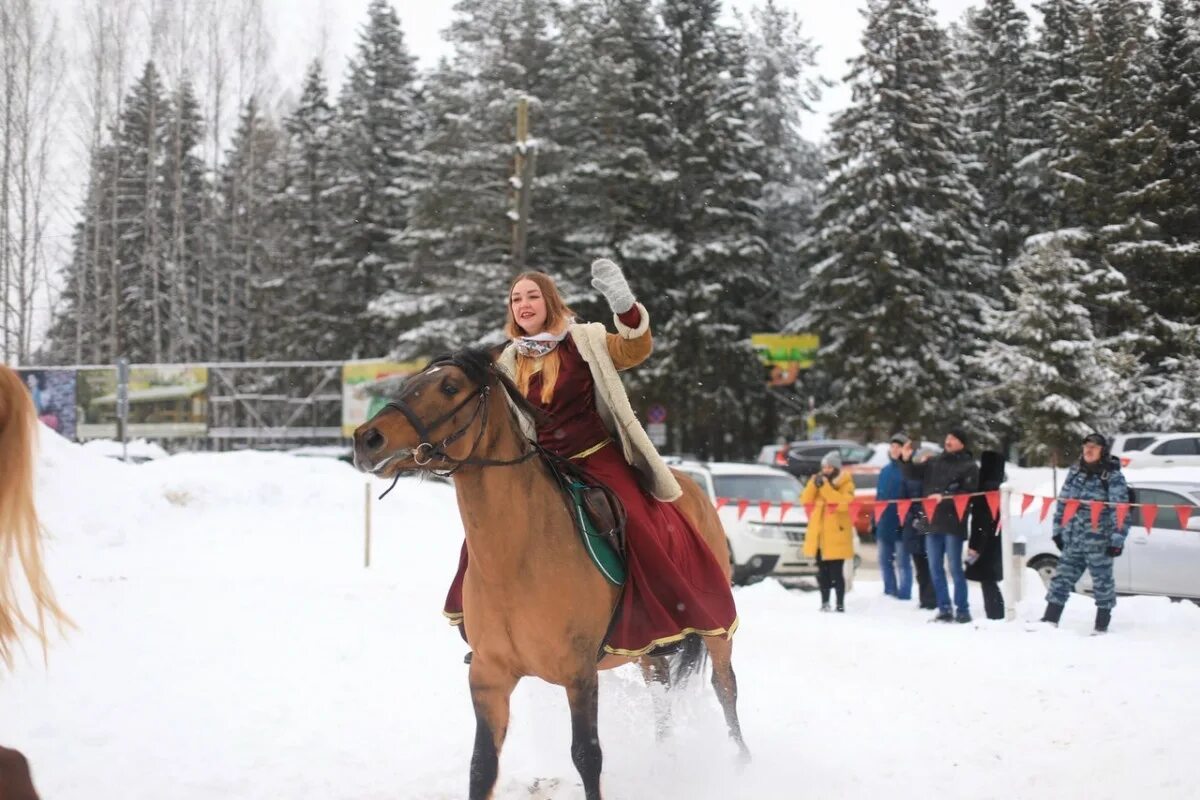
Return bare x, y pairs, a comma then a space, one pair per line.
600, 506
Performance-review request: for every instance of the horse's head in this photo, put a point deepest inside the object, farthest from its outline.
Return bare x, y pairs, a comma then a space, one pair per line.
438, 419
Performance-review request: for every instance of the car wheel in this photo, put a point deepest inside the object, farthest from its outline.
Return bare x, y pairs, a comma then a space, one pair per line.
736, 577
1045, 567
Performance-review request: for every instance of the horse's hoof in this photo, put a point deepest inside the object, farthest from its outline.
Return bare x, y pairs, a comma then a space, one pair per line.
467, 658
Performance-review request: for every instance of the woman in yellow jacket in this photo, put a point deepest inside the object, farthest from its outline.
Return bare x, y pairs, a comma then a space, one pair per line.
830, 537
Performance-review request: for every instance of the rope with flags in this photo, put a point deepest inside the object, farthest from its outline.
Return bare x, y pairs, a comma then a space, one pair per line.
1149, 511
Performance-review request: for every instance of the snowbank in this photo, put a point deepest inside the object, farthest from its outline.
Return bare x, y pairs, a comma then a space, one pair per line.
232, 645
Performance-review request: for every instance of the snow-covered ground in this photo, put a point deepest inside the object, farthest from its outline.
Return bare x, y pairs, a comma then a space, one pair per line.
232, 645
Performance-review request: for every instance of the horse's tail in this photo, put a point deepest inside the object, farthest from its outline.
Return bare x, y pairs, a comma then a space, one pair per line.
689, 660
20, 531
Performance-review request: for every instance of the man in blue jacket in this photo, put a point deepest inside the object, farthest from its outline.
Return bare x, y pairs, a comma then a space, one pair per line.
1097, 476
893, 554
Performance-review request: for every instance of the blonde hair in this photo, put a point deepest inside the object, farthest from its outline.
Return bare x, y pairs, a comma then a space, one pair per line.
20, 531
557, 315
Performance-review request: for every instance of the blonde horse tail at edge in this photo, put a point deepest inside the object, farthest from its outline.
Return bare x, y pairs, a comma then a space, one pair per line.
20, 531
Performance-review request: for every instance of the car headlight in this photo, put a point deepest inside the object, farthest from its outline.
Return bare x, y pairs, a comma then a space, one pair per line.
768, 531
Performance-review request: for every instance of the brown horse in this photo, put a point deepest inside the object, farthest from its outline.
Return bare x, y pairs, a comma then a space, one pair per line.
20, 540
533, 603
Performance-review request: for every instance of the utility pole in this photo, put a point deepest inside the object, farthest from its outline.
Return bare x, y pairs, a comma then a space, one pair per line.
522, 183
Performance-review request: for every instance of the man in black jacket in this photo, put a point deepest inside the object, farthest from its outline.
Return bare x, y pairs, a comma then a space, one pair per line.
953, 471
985, 558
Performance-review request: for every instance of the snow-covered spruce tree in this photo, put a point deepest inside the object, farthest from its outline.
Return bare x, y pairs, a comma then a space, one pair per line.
1171, 279
184, 210
1051, 380
1057, 84
785, 84
242, 316
379, 123
143, 311
459, 241
716, 291
306, 328
613, 128
1112, 162
995, 70
901, 276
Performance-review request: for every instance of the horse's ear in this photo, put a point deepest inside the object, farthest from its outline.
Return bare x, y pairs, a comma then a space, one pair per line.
495, 350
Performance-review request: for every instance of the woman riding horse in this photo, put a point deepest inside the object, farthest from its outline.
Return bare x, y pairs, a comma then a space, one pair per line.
567, 370
20, 542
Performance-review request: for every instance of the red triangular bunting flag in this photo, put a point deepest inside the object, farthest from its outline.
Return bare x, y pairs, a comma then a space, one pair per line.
930, 505
1122, 514
993, 501
764, 507
1026, 502
960, 504
1097, 510
1046, 503
1185, 513
721, 502
902, 507
742, 506
809, 510
783, 509
1069, 509
1149, 512
880, 507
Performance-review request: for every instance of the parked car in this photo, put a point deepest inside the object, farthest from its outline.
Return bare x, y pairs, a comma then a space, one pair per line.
1165, 561
1125, 442
758, 546
1167, 450
803, 458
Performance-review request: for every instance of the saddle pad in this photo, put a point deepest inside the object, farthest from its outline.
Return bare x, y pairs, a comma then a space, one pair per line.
598, 546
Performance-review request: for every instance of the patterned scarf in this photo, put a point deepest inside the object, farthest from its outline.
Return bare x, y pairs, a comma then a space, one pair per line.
539, 344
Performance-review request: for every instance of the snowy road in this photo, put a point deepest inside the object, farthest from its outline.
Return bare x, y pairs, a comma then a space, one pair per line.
231, 645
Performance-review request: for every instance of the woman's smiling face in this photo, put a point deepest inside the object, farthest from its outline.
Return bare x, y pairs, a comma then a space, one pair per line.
528, 307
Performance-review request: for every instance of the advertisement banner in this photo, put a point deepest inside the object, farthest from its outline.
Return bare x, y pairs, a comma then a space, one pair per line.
53, 392
368, 386
165, 402
786, 354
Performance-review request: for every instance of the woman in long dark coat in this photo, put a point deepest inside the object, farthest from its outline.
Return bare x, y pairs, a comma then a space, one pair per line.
988, 568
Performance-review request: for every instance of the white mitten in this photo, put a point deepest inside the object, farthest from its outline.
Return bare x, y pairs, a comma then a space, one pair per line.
610, 282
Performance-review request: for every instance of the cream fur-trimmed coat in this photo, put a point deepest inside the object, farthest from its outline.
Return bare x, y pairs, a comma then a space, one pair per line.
601, 354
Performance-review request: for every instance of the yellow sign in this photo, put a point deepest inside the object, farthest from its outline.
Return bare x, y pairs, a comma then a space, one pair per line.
786, 354
368, 386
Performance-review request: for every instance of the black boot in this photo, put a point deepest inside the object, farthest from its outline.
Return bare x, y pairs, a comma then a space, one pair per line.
1053, 614
1103, 617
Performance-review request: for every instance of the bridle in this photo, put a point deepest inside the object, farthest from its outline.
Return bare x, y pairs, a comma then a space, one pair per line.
426, 452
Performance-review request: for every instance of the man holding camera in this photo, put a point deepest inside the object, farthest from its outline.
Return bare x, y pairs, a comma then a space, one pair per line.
953, 471
1097, 476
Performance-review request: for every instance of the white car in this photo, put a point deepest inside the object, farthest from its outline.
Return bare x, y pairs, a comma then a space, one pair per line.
1125, 442
1165, 561
1167, 450
758, 545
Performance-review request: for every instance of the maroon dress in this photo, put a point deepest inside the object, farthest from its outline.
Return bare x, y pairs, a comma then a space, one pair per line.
674, 585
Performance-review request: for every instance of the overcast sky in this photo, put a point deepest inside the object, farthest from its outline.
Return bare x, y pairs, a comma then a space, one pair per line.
306, 27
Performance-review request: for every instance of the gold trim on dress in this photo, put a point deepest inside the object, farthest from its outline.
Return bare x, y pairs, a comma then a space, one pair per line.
727, 633
453, 617
593, 449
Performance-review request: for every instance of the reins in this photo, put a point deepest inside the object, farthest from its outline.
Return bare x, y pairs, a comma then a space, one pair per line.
425, 453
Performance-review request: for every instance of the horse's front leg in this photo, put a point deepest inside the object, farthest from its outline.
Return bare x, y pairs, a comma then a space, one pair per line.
15, 781
583, 695
491, 688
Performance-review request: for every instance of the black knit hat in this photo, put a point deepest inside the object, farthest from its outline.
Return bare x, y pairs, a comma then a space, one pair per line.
899, 438
961, 435
1096, 438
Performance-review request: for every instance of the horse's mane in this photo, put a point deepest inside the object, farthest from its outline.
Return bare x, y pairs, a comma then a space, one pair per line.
479, 365
20, 531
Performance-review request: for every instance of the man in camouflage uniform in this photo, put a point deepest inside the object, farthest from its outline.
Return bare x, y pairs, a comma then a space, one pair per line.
1097, 476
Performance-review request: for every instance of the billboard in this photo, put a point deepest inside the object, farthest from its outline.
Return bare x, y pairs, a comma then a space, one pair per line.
786, 354
368, 386
165, 402
53, 392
